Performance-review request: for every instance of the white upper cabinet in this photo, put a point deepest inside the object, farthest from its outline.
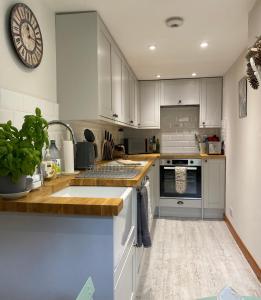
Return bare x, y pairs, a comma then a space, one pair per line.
116, 84
133, 121
125, 94
92, 73
104, 76
180, 92
210, 102
137, 104
149, 104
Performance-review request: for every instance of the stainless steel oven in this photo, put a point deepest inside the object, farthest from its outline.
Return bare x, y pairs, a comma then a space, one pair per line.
168, 182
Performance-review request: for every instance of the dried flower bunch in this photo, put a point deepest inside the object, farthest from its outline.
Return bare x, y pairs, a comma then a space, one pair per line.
255, 53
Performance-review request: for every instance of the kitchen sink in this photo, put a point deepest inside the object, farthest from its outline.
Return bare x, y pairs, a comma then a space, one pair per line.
93, 192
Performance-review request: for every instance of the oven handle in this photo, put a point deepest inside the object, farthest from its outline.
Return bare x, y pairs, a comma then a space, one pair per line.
174, 168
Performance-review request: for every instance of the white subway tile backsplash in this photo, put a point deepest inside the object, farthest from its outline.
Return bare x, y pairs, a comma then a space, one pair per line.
18, 119
178, 143
14, 106
178, 128
6, 115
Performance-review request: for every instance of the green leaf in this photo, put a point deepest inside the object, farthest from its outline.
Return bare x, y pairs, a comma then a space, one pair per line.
38, 112
21, 150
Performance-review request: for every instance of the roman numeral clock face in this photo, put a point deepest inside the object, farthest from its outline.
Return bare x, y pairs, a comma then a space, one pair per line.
26, 35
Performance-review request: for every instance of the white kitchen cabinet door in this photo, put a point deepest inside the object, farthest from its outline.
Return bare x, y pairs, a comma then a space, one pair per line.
137, 104
125, 94
180, 92
210, 102
116, 84
132, 100
125, 288
104, 76
149, 104
214, 183
156, 187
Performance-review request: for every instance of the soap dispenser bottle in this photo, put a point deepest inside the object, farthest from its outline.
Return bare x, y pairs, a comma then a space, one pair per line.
55, 157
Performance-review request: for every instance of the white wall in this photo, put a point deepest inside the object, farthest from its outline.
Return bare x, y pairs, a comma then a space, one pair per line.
23, 89
40, 82
243, 144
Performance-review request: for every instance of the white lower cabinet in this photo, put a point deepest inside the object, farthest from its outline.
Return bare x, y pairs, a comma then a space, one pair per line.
153, 175
213, 187
124, 235
125, 286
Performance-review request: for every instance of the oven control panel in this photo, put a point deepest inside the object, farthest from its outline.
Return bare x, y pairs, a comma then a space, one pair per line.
180, 162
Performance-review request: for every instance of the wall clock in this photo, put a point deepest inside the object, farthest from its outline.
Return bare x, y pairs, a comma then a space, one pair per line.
26, 35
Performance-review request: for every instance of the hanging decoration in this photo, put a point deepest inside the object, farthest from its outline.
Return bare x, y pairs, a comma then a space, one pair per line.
254, 64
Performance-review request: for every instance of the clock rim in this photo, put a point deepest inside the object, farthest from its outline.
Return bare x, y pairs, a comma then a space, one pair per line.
13, 9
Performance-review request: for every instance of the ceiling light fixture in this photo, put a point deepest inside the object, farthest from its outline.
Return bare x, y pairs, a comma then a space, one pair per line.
204, 45
158, 76
194, 74
174, 22
152, 47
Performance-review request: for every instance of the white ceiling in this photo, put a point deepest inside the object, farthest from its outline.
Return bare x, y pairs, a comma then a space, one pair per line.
136, 24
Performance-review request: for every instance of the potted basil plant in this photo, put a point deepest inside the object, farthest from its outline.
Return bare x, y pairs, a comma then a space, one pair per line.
21, 151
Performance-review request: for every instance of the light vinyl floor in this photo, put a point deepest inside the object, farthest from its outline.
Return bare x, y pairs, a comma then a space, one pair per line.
191, 259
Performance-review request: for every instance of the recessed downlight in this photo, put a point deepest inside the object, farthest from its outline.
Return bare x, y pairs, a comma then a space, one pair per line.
158, 76
204, 45
194, 74
152, 47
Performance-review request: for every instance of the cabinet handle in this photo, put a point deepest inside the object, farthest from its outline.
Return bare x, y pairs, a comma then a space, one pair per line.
180, 101
204, 123
138, 124
180, 202
115, 115
131, 122
206, 160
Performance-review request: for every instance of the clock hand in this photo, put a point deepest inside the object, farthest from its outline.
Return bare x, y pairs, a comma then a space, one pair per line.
31, 38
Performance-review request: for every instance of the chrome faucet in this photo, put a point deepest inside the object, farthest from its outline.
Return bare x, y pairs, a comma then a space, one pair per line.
57, 122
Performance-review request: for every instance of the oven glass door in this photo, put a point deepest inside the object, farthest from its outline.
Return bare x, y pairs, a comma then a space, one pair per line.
168, 183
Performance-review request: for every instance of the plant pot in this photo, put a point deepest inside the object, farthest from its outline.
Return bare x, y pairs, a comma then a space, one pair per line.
7, 186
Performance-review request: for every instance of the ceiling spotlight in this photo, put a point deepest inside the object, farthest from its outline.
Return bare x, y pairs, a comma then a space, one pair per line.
174, 22
194, 74
158, 76
152, 47
204, 45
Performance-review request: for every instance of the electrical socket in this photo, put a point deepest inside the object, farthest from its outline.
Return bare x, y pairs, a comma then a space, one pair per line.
231, 212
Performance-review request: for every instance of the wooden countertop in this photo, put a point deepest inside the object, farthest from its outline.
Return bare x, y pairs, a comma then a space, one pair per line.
40, 201
133, 182
175, 155
192, 155
143, 156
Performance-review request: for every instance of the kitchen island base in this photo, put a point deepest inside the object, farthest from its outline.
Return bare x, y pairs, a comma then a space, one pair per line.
51, 257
